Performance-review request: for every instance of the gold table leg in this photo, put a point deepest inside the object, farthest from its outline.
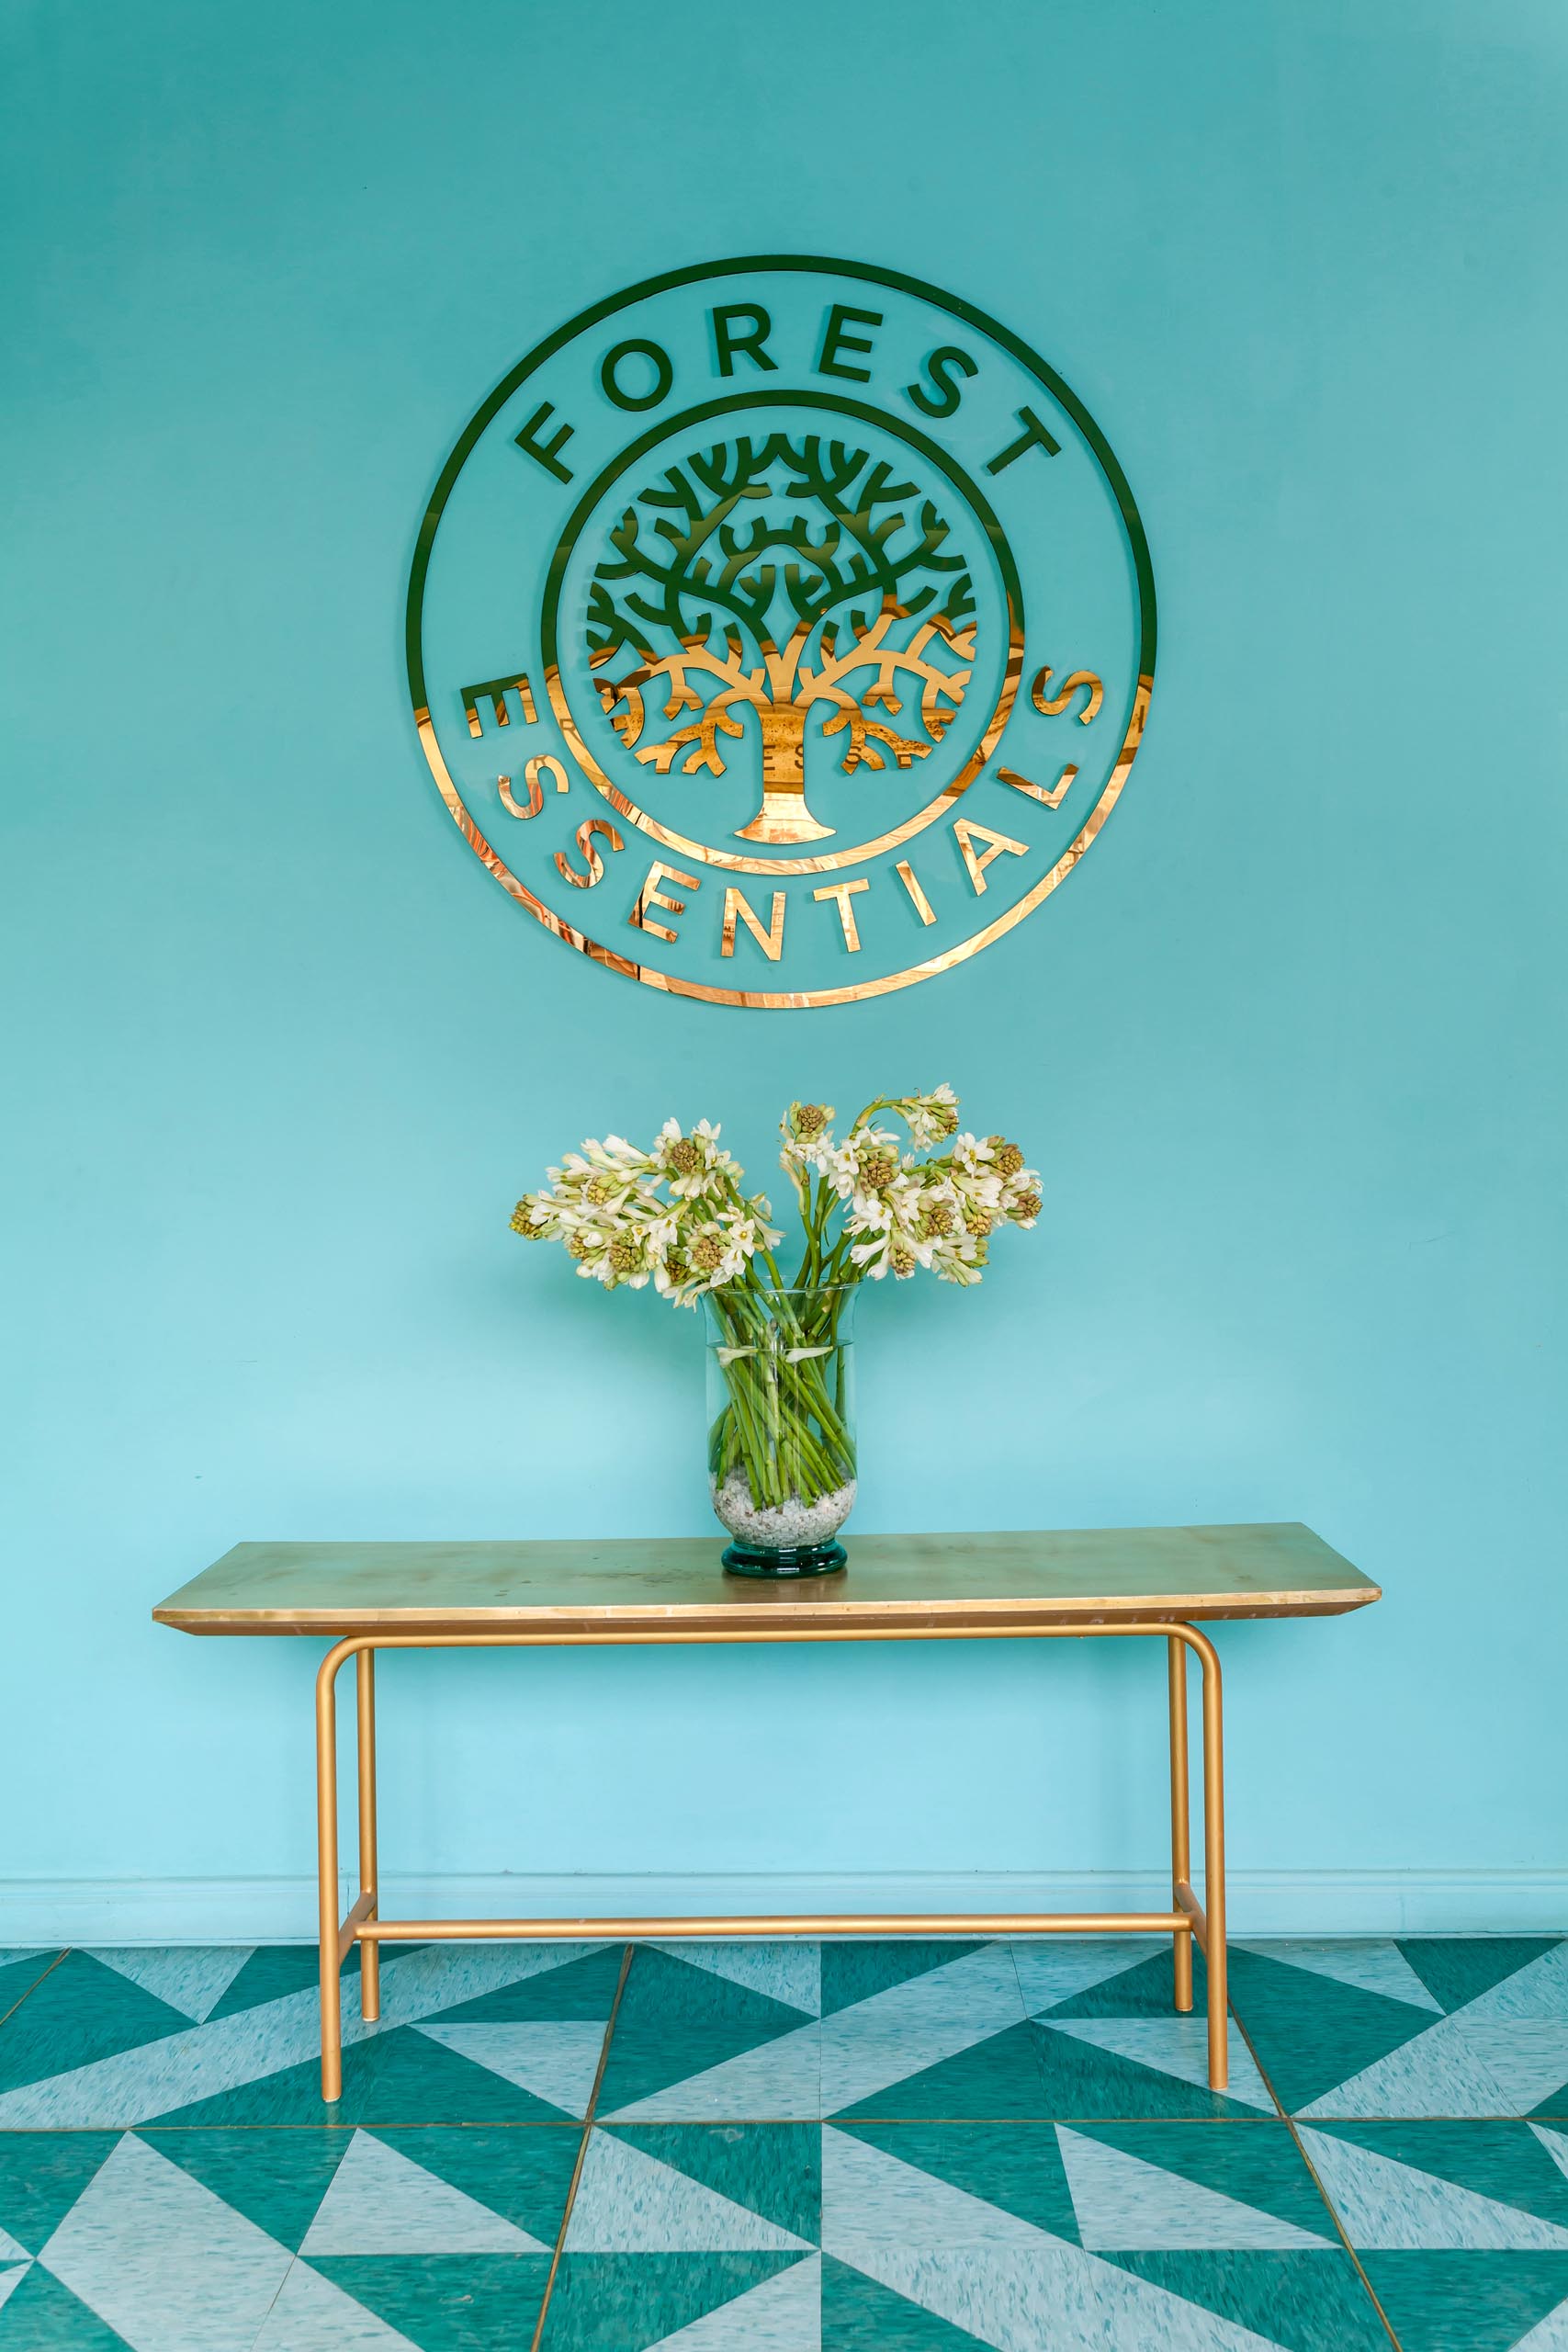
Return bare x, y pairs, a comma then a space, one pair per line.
369, 1952
1187, 1920
326, 1872
1213, 1860
1180, 1825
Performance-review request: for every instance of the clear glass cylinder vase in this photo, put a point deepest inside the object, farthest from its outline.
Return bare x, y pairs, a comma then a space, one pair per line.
781, 1426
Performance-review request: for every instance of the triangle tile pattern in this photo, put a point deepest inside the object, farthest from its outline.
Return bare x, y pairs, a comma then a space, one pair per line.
1375, 1965
1457, 1970
851, 1970
190, 1978
312, 2314
1125, 2203
556, 2062
989, 2272
40, 2315
1386, 2205
773, 2170
1468, 2303
790, 1972
159, 2259
1056, 1969
522, 2176
441, 2303
857, 2313
19, 1972
88, 2049
629, 2201
276, 2180
1175, 2046
381, 2202
1341, 2038
913, 2146
783, 2315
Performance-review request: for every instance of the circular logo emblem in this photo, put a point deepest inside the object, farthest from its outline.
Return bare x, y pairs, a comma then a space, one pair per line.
781, 632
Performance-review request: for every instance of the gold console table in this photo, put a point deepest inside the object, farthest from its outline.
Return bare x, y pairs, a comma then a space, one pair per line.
1106, 1583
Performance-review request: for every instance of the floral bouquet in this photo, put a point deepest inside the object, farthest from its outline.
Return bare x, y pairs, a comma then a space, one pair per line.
781, 1444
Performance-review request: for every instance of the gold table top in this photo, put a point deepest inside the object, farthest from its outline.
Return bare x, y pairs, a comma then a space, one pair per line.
675, 1588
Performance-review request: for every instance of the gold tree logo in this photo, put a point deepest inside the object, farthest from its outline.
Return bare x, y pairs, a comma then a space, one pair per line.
781, 576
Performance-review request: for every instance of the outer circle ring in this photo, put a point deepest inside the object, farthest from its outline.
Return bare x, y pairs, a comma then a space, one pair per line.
782, 1000
739, 861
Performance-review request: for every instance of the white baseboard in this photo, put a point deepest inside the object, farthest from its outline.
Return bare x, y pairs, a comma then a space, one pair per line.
1262, 1902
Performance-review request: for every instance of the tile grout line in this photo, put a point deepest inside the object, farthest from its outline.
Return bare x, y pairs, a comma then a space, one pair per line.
1289, 2122
38, 1980
581, 2149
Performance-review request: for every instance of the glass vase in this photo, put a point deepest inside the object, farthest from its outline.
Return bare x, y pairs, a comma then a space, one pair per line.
781, 1426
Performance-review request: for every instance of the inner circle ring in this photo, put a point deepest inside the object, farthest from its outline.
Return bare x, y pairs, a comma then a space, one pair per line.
738, 860
922, 290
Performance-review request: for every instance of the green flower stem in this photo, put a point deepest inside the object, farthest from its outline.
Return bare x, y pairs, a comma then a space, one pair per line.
781, 1423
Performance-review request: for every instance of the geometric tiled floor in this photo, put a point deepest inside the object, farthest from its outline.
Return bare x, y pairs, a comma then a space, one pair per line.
788, 2148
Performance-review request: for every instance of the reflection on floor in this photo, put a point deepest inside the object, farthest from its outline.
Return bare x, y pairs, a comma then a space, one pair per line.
766, 2148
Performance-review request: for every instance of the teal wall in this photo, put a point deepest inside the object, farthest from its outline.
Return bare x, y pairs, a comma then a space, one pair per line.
1287, 1048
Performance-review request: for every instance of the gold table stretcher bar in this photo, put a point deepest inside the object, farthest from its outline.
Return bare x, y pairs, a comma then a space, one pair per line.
1105, 1583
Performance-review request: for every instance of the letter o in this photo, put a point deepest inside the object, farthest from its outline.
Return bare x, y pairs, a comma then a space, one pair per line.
663, 373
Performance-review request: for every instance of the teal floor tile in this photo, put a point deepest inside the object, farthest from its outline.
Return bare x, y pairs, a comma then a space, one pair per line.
1302, 2303
417, 2079
41, 2175
1000, 2074
646, 2061
18, 1977
1310, 2032
663, 1991
291, 2097
1458, 1969
859, 2314
274, 1970
448, 2302
79, 2012
854, 1971
677, 2020
582, 1989
1146, 1990
1015, 2167
42, 2315
1256, 2168
1509, 2164
1465, 2301
1065, 2165
277, 2178
522, 2172
615, 2302
770, 2169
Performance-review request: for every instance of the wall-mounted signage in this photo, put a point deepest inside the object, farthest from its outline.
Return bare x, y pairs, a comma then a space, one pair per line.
781, 632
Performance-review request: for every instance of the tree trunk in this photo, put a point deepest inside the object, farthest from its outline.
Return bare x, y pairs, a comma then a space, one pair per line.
783, 816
